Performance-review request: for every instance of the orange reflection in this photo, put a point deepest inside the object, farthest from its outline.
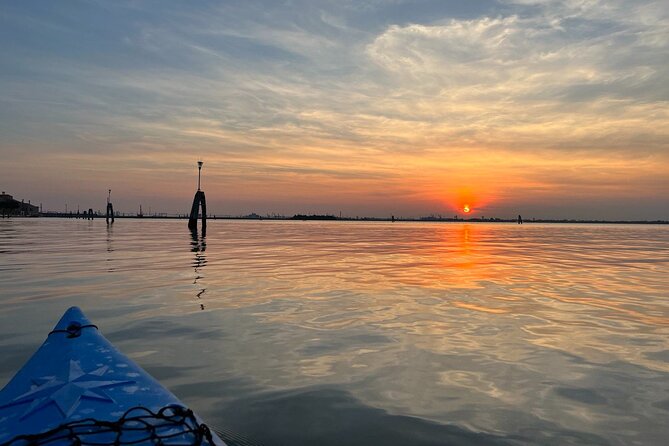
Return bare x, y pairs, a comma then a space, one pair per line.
422, 281
464, 239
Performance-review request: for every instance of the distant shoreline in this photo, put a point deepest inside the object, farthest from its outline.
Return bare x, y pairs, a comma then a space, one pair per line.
346, 219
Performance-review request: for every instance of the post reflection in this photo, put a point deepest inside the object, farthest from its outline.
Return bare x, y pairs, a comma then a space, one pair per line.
199, 246
110, 248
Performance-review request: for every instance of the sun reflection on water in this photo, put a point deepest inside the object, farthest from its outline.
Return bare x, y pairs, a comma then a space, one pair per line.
463, 323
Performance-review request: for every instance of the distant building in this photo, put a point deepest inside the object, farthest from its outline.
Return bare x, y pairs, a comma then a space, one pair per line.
11, 207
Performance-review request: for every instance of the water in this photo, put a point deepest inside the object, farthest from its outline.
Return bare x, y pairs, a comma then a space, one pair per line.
336, 333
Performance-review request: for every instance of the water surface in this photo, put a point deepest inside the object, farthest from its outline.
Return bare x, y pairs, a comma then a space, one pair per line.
353, 333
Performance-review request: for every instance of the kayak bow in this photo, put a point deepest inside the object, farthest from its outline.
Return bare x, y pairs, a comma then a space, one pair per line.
79, 389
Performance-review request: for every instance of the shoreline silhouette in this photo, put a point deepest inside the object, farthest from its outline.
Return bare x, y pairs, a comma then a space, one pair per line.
327, 217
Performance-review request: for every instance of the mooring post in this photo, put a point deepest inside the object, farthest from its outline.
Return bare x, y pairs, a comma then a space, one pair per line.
198, 201
110, 209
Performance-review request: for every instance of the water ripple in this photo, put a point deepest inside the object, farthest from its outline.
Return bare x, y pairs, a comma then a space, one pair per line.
418, 333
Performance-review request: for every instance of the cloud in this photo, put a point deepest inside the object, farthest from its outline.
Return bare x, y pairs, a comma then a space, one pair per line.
417, 98
517, 76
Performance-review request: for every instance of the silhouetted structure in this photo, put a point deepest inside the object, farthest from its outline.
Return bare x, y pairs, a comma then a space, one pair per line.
198, 201
313, 217
110, 209
11, 207
520, 220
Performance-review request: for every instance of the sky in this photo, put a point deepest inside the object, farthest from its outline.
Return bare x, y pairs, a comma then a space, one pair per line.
545, 108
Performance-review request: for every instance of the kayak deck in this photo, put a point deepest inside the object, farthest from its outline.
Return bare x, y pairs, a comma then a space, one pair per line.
79, 389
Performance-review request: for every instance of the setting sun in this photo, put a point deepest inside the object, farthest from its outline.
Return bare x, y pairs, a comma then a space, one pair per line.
466, 209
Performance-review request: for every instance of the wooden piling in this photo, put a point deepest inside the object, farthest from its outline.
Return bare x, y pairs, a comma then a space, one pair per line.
110, 209
110, 213
199, 201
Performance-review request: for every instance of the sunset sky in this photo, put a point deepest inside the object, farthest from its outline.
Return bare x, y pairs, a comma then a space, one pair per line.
369, 107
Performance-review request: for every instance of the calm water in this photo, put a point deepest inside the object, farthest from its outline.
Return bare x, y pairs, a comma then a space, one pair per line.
335, 333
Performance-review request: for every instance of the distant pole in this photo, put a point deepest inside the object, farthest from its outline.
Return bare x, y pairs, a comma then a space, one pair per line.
199, 170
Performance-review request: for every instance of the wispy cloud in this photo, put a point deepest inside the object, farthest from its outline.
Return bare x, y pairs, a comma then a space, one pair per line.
424, 99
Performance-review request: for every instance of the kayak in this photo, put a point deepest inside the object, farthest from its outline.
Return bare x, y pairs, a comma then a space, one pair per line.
79, 389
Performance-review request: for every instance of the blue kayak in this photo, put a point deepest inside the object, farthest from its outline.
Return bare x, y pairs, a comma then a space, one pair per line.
79, 389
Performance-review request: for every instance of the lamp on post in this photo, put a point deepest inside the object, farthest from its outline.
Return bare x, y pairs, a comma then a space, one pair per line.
199, 170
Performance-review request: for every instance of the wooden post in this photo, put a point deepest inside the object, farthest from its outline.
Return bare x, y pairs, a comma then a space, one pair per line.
198, 201
110, 209
110, 213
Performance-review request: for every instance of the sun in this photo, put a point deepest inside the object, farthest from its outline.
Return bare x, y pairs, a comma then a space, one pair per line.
466, 209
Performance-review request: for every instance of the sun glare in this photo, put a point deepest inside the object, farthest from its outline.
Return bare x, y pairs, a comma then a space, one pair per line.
466, 209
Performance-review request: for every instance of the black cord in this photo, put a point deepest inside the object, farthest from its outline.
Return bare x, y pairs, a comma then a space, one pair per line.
73, 330
134, 420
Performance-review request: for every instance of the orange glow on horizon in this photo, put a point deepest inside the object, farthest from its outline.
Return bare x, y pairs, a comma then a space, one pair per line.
467, 200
